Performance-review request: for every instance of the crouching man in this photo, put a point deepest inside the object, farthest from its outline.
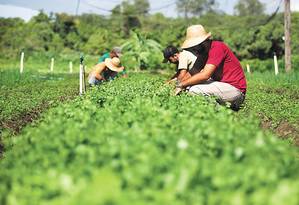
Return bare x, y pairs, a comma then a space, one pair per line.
183, 60
222, 75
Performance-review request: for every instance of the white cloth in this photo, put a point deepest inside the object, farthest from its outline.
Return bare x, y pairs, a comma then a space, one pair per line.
223, 91
186, 60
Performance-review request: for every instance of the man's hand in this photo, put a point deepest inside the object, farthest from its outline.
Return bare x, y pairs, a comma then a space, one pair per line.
178, 91
178, 88
171, 81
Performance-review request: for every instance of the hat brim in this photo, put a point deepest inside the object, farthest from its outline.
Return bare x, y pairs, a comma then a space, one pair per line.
195, 41
108, 63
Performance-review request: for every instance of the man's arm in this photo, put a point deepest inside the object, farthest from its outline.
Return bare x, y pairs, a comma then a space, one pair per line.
206, 73
123, 74
99, 68
174, 76
186, 76
181, 74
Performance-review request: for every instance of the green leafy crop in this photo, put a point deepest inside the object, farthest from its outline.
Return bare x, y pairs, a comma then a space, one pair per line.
131, 142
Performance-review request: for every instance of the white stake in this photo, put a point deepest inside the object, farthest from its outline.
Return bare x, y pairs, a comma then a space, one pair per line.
52, 64
275, 64
71, 67
248, 68
22, 63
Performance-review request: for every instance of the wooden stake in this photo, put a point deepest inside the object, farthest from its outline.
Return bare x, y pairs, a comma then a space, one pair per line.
22, 63
275, 64
287, 35
52, 64
71, 67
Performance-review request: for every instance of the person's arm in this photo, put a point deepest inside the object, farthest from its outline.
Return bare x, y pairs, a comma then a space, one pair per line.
186, 76
179, 75
182, 74
99, 68
173, 78
123, 74
200, 77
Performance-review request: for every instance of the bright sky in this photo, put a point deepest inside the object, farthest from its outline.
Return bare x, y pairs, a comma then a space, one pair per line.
27, 8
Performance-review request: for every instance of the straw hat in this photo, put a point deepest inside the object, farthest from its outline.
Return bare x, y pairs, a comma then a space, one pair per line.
114, 64
196, 34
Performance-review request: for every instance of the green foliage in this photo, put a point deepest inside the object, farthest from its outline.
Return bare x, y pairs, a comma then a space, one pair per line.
258, 66
249, 7
141, 53
40, 62
274, 98
249, 36
20, 94
194, 7
130, 142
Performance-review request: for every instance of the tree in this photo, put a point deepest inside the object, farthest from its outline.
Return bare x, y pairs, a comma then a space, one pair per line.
194, 7
129, 14
142, 6
249, 7
12, 34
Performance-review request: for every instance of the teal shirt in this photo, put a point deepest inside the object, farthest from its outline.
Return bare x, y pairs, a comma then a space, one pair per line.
103, 57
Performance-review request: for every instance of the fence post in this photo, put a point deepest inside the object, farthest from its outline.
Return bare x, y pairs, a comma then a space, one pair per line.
71, 67
275, 64
248, 68
52, 65
22, 63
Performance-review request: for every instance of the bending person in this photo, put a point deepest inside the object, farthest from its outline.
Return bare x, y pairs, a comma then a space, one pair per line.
115, 52
222, 74
183, 60
106, 71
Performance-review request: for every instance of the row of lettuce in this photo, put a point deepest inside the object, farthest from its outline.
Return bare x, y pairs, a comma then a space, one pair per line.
131, 142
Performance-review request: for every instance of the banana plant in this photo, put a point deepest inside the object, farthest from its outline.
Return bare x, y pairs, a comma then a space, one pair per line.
144, 51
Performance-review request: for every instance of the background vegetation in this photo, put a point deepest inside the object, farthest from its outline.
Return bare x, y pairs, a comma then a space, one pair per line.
250, 32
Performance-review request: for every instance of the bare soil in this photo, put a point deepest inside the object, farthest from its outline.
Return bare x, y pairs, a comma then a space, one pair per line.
284, 130
16, 123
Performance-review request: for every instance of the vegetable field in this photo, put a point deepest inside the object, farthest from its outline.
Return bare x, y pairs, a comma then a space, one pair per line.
24, 97
131, 141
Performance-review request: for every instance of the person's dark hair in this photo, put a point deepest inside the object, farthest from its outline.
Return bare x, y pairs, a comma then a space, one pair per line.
168, 52
201, 51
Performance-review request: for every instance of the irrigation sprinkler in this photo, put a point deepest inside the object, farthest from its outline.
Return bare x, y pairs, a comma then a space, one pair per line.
82, 88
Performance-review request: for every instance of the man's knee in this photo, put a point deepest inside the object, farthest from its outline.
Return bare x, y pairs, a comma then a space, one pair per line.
196, 90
